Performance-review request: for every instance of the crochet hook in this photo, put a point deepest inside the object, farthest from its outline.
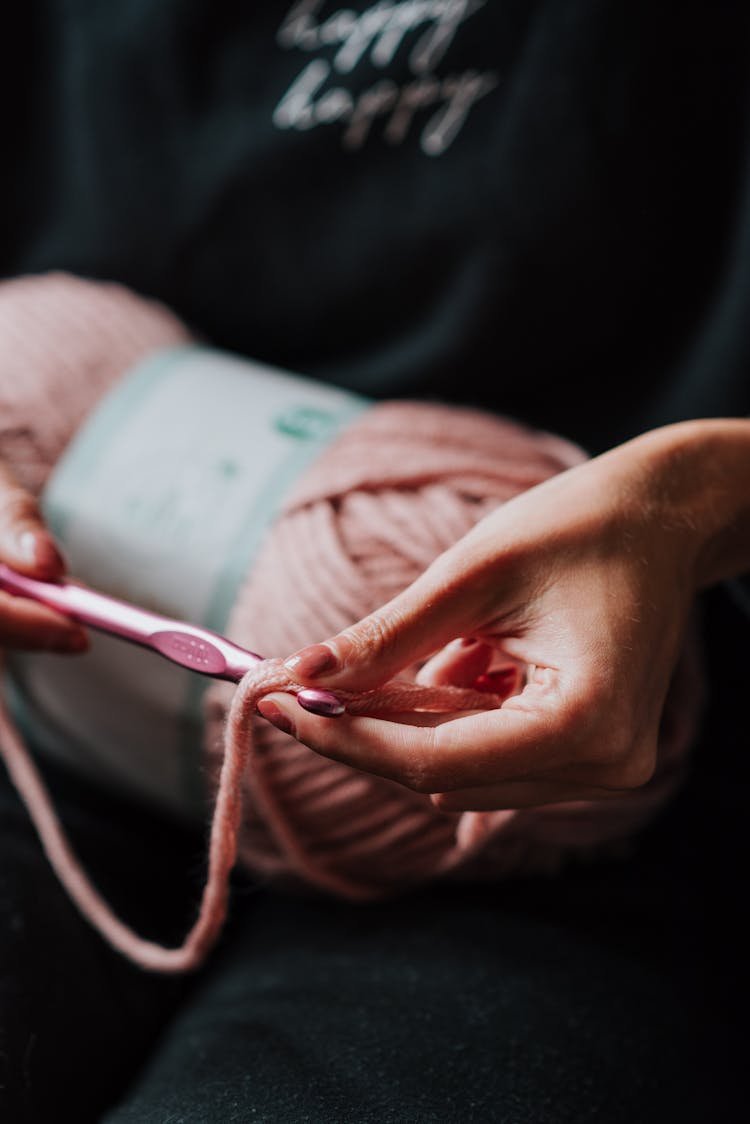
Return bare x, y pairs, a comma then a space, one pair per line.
198, 649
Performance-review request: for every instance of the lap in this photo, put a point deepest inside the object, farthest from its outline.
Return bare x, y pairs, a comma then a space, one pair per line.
76, 1019
467, 1005
595, 995
614, 992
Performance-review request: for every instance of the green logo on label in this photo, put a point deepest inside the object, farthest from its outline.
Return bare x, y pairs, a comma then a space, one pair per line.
306, 423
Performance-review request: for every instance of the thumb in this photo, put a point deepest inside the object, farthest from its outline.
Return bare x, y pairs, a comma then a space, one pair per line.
413, 625
25, 543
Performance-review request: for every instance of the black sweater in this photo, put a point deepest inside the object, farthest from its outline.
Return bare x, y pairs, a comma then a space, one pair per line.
538, 207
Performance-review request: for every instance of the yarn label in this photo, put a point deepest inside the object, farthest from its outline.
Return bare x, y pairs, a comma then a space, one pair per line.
163, 500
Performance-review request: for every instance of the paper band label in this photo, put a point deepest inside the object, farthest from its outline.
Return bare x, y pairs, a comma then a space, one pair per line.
163, 499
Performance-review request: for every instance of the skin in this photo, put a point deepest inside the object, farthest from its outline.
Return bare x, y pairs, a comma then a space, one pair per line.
28, 547
587, 580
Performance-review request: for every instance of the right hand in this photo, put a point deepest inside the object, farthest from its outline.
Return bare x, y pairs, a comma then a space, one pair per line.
28, 547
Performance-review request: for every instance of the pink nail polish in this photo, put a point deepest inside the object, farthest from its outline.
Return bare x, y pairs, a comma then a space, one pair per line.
27, 546
311, 662
40, 551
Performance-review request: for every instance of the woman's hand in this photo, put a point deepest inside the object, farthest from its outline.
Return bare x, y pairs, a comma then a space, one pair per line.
587, 581
27, 546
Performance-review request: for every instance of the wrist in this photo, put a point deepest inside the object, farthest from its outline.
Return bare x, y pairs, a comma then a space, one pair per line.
699, 493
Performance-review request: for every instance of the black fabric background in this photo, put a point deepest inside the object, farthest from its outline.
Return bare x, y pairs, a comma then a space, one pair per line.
612, 993
578, 258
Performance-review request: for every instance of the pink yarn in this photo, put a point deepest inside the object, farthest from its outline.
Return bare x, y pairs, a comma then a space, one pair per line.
64, 342
394, 490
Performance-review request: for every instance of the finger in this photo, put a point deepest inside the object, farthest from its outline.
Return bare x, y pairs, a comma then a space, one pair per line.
387, 749
31, 626
25, 542
469, 751
418, 718
446, 601
518, 794
458, 664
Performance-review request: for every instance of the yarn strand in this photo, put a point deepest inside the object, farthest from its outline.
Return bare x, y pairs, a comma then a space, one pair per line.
222, 850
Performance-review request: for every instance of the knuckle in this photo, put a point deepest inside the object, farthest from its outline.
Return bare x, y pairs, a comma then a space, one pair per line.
418, 774
373, 638
419, 781
411, 775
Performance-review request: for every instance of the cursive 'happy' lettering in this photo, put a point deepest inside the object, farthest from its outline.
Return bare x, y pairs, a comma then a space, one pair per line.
380, 29
376, 34
455, 95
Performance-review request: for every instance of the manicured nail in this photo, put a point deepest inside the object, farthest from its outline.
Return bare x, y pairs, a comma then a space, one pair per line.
27, 546
311, 662
40, 550
276, 716
323, 703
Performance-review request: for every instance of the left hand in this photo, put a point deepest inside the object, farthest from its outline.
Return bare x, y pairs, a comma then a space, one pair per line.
588, 581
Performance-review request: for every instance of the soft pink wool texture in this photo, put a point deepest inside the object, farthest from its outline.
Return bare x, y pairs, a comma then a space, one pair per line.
400, 485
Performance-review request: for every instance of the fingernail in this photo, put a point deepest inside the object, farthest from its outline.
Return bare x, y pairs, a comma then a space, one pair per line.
27, 546
39, 550
323, 703
276, 716
311, 662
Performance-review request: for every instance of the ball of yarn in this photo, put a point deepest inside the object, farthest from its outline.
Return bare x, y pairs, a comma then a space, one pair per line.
64, 342
399, 486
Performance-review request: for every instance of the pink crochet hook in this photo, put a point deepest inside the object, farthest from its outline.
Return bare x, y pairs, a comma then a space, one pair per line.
197, 649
